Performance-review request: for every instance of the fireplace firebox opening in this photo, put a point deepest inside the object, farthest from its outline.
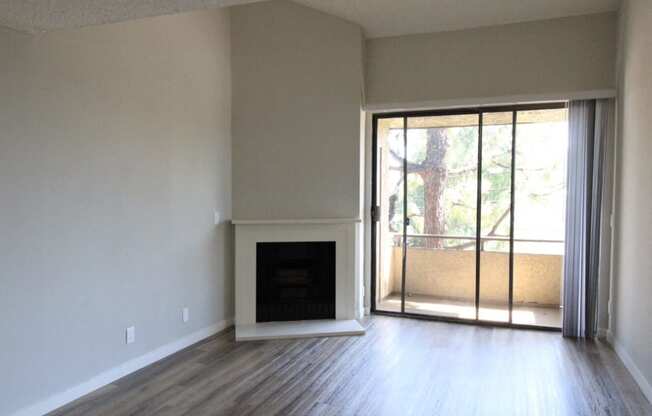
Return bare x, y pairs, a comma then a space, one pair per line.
295, 281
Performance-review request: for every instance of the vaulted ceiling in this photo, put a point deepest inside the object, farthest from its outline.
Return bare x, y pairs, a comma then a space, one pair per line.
377, 17
381, 18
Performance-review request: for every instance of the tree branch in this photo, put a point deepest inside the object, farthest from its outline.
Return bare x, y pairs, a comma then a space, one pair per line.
491, 232
411, 167
498, 222
462, 171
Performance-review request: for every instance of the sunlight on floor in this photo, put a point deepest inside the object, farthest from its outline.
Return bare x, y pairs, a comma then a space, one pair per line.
429, 305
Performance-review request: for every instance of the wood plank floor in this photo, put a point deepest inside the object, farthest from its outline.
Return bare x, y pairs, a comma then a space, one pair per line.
400, 367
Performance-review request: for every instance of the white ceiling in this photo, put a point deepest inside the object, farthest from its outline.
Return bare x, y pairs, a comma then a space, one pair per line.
381, 18
42, 15
377, 17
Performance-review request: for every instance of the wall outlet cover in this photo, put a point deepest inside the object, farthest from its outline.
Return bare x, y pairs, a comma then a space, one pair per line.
185, 314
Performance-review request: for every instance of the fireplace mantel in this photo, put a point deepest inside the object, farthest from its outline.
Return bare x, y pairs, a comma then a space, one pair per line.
346, 234
299, 221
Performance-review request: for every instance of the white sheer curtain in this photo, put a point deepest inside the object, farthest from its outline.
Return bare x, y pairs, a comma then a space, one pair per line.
590, 132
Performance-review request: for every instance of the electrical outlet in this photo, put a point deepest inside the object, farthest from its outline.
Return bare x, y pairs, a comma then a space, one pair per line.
130, 336
216, 217
185, 314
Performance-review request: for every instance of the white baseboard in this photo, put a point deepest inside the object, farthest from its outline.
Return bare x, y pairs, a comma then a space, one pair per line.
643, 383
59, 399
603, 333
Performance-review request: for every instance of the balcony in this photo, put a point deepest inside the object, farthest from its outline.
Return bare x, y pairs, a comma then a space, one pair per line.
441, 281
441, 178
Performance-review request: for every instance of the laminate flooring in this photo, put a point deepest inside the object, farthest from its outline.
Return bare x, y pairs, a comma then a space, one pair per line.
400, 366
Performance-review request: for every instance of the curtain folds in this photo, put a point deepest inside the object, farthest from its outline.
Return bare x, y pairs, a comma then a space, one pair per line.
590, 132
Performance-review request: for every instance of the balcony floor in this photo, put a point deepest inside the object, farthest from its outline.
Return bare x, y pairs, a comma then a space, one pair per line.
431, 305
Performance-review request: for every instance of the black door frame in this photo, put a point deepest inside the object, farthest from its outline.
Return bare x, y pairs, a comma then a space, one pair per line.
514, 109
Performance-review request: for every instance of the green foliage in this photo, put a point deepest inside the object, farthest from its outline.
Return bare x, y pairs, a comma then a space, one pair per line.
539, 179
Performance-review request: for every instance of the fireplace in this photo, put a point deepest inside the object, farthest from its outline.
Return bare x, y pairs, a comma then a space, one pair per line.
295, 281
297, 278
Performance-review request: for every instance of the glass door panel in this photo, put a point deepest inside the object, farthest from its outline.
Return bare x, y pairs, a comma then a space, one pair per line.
495, 216
389, 191
441, 185
469, 222
539, 221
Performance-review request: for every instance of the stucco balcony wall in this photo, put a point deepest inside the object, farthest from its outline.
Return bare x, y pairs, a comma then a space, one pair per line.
451, 274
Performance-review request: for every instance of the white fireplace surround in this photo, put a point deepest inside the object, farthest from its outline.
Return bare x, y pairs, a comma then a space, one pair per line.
348, 287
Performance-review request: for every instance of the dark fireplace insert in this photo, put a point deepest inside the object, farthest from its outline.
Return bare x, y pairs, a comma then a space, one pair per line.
295, 281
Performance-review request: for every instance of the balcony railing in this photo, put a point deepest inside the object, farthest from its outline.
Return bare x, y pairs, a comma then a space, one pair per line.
398, 240
448, 270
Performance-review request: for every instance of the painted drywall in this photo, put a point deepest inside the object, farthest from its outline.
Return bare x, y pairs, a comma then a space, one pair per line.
297, 85
382, 18
542, 58
114, 154
632, 280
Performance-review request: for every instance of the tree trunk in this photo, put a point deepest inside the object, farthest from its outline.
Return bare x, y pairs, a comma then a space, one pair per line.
434, 175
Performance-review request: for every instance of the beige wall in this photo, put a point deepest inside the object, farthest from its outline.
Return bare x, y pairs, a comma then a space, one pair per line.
297, 85
550, 57
451, 274
114, 153
632, 279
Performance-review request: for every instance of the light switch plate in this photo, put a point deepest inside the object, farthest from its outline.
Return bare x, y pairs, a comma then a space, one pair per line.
217, 217
130, 336
185, 314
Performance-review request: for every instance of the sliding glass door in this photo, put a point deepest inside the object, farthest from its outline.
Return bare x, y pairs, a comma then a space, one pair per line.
446, 238
495, 206
442, 154
539, 215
